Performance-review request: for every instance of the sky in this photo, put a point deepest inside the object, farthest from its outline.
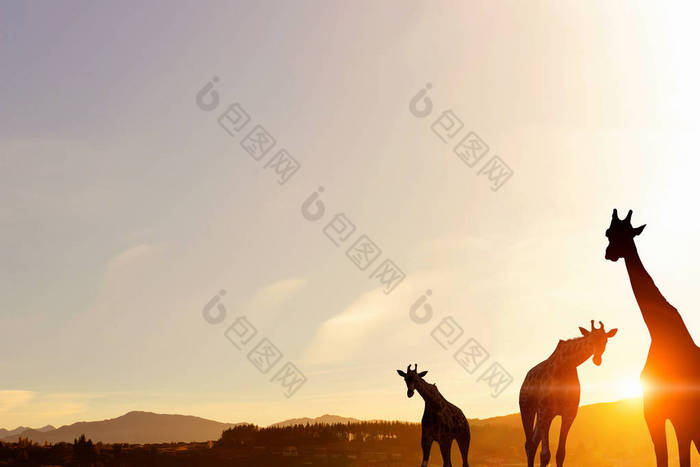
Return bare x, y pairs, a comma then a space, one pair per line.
125, 207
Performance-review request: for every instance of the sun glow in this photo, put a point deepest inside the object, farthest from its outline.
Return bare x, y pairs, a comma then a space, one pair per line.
630, 387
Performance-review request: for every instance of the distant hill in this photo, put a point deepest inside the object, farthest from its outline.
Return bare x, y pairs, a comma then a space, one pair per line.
20, 429
134, 427
604, 434
322, 420
612, 432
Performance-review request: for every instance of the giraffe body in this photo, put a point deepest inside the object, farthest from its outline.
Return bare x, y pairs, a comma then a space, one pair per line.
442, 422
552, 388
671, 374
671, 393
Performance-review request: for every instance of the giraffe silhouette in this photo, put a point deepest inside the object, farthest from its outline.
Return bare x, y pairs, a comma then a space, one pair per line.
671, 374
552, 388
442, 421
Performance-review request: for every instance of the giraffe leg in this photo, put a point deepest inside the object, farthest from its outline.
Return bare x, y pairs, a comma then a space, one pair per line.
463, 443
684, 446
563, 433
528, 419
542, 433
657, 430
425, 443
532, 446
445, 448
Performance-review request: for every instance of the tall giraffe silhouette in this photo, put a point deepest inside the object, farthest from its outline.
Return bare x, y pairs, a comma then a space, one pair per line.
671, 375
552, 388
442, 421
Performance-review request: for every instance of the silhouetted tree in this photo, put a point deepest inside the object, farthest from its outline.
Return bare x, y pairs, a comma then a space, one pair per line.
84, 451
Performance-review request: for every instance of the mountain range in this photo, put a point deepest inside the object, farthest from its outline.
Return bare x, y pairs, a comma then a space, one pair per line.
133, 427
21, 429
146, 427
620, 424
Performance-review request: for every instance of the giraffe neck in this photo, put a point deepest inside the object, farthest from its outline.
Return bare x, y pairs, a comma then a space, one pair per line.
573, 352
662, 320
429, 393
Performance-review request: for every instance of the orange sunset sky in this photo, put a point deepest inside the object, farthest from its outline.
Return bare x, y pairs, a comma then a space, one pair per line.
125, 207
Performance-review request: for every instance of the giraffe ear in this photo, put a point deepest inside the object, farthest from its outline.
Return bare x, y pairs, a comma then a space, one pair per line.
637, 230
422, 373
584, 331
401, 373
611, 333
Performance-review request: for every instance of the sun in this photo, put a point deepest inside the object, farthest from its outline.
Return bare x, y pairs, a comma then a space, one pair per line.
630, 387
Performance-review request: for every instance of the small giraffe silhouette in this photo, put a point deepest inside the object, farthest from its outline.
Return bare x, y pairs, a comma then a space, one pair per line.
671, 374
552, 388
442, 421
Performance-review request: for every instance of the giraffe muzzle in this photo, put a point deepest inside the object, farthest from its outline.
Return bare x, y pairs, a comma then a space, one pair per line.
610, 256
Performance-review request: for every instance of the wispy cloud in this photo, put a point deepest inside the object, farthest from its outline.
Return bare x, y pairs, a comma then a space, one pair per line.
342, 335
276, 293
33, 408
368, 320
129, 256
10, 399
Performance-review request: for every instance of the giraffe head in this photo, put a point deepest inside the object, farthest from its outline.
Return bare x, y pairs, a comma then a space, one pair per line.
597, 338
411, 377
621, 236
